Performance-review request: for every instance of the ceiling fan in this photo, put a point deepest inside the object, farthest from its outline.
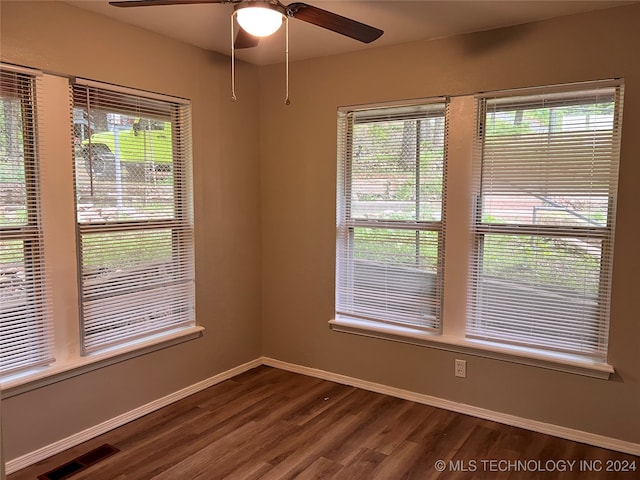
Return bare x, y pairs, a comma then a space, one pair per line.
272, 12
261, 18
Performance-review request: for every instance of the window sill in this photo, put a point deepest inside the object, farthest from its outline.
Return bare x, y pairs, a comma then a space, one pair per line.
58, 371
522, 355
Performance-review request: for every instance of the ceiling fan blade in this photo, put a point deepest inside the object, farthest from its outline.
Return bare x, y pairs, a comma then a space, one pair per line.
334, 22
153, 3
245, 40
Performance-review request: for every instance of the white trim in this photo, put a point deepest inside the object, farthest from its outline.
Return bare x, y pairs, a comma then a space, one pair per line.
563, 87
19, 69
533, 425
608, 82
512, 420
394, 103
2, 465
130, 91
510, 353
92, 432
59, 371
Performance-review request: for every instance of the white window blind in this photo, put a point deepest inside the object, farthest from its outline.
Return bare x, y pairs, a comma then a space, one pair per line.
544, 218
390, 209
134, 212
25, 313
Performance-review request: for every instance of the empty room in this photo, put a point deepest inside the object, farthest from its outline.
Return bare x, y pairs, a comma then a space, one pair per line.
383, 240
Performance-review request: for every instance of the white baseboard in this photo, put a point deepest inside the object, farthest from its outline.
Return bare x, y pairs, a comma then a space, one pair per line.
515, 421
92, 432
536, 426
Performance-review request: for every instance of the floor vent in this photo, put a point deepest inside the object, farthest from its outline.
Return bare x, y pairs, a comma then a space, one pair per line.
78, 464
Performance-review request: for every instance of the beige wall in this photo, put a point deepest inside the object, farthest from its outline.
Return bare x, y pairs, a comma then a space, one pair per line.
63, 39
298, 151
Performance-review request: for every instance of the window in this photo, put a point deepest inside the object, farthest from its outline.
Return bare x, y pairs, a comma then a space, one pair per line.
115, 205
25, 324
531, 195
134, 214
390, 208
544, 218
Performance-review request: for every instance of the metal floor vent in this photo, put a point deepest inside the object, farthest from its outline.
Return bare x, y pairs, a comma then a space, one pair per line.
78, 464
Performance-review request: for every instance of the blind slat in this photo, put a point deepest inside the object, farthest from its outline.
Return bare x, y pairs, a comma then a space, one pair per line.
133, 182
544, 221
390, 207
26, 336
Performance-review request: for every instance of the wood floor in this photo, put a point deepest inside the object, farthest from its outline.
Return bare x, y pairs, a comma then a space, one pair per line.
272, 424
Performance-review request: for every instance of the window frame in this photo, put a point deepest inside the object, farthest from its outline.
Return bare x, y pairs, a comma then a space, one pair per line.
460, 188
37, 350
550, 96
126, 101
59, 239
347, 223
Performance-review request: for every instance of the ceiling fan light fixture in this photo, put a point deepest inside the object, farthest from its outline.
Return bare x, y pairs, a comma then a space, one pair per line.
259, 19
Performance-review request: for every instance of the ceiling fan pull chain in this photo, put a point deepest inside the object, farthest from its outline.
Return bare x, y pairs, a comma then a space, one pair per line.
286, 53
233, 60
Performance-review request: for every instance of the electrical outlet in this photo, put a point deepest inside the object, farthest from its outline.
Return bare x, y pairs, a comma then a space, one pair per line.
461, 368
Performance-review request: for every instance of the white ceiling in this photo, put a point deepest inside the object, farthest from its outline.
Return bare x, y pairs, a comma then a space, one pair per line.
208, 26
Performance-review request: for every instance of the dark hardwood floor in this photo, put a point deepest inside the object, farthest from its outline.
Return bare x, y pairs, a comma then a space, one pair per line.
272, 424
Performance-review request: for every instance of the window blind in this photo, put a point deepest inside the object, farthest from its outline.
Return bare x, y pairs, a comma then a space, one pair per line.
390, 207
25, 308
134, 211
544, 218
